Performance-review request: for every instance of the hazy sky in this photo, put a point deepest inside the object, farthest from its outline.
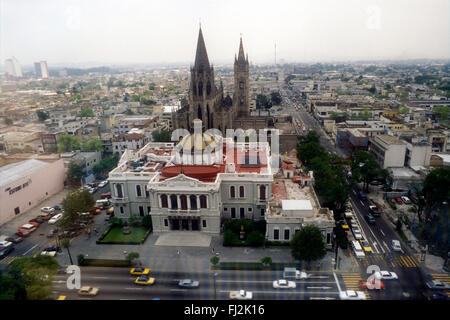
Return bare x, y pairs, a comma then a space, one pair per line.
139, 31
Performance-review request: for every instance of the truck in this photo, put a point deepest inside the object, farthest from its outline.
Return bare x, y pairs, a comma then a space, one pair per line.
292, 273
241, 295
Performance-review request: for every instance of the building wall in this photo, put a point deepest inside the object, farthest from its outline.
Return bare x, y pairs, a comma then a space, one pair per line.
42, 184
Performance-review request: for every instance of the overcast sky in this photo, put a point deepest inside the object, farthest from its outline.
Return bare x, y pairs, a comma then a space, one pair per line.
147, 31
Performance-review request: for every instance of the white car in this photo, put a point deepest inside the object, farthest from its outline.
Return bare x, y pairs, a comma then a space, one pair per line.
396, 245
352, 295
241, 295
358, 236
406, 200
284, 284
103, 183
48, 210
385, 275
55, 218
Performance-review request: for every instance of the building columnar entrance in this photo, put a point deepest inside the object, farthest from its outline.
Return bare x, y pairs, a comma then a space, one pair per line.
184, 223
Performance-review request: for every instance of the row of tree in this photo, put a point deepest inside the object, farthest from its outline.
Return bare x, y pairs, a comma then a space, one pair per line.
329, 174
265, 102
67, 143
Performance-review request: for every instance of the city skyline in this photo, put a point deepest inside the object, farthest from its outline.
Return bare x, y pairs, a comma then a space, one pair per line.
119, 33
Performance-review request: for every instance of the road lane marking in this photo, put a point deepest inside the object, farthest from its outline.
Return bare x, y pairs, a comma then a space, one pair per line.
29, 249
321, 298
382, 233
182, 290
375, 246
318, 288
337, 282
280, 291
133, 288
100, 277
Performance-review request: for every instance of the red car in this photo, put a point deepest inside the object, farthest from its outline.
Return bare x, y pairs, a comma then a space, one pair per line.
398, 200
371, 284
106, 195
23, 233
34, 223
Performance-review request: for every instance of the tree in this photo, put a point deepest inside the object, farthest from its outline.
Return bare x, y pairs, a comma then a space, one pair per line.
147, 222
8, 121
373, 90
365, 168
266, 260
67, 143
74, 174
65, 244
441, 112
132, 256
93, 144
436, 188
308, 244
86, 113
255, 238
74, 203
214, 260
11, 289
35, 274
289, 78
161, 136
42, 115
275, 98
262, 102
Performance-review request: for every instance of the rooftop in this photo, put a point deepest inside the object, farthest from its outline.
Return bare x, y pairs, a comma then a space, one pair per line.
16, 171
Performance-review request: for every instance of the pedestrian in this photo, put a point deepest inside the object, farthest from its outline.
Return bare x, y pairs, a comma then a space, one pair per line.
95, 230
213, 249
178, 252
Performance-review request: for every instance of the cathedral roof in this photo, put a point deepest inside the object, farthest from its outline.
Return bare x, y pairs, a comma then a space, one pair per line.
201, 56
241, 56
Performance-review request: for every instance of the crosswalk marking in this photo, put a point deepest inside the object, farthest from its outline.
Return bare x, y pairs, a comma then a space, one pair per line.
443, 278
8, 259
351, 282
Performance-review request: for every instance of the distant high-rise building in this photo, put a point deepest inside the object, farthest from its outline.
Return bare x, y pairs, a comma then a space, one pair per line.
41, 69
12, 67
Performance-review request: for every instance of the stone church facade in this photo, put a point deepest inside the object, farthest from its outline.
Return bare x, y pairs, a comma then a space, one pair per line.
206, 100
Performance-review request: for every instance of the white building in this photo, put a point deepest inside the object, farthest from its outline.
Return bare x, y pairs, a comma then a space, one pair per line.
389, 151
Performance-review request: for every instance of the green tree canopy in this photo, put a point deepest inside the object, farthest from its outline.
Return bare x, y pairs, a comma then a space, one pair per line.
162, 136
436, 187
275, 98
74, 174
365, 168
42, 115
76, 202
308, 245
67, 143
86, 113
93, 144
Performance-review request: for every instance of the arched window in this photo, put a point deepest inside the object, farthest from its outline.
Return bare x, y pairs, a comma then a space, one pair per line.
208, 88
200, 88
241, 192
203, 203
262, 192
173, 202
193, 200
232, 192
183, 200
164, 201
138, 191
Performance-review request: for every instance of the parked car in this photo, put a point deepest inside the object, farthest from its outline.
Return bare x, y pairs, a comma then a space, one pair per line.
398, 200
370, 219
437, 285
36, 221
358, 235
188, 283
406, 200
14, 240
28, 226
103, 183
55, 218
52, 248
58, 207
106, 195
45, 216
385, 275
373, 209
48, 210
396, 245
352, 295
23, 233
88, 291
284, 284
67, 234
51, 233
362, 196
5, 251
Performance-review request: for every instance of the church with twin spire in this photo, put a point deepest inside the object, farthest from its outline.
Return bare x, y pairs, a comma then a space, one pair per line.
206, 100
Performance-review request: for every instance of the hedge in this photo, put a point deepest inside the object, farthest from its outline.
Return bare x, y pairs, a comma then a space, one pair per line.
105, 263
257, 266
100, 240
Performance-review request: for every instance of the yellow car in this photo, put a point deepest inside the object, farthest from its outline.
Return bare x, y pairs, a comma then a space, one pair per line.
344, 225
366, 246
61, 298
145, 280
139, 271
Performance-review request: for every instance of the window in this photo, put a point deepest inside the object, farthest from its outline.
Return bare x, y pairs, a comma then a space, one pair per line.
141, 211
164, 201
250, 209
119, 192
328, 238
262, 212
233, 213
149, 209
204, 223
262, 192
183, 200
286, 234
193, 200
242, 213
173, 202
203, 202
225, 209
276, 234
17, 210
241, 192
232, 192
166, 223
121, 209
138, 191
